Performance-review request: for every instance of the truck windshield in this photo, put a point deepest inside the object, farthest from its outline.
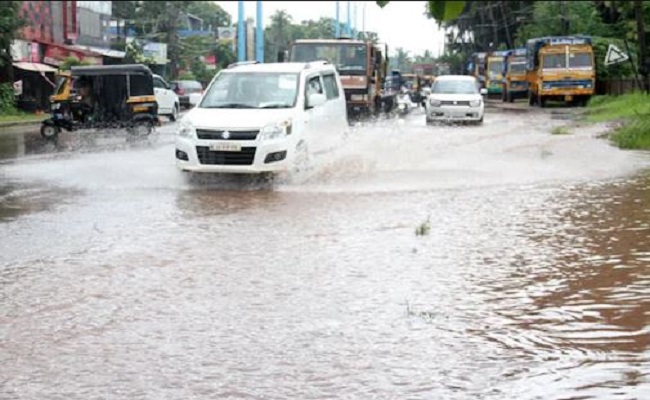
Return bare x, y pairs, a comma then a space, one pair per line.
554, 61
494, 68
517, 68
349, 59
579, 60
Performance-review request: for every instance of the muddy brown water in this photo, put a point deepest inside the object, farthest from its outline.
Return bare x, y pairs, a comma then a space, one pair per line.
121, 280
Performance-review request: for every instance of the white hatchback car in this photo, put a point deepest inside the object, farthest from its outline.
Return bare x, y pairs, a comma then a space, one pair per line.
256, 118
455, 98
168, 103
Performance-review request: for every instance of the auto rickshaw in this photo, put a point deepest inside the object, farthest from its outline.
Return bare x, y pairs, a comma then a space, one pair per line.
102, 97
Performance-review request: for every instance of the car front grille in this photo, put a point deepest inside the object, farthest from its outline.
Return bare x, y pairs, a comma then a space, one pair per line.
209, 134
209, 157
455, 103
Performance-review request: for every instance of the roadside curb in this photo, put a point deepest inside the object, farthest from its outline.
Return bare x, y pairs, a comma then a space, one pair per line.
19, 123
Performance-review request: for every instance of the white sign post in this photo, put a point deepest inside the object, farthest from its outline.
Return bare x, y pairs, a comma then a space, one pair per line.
615, 55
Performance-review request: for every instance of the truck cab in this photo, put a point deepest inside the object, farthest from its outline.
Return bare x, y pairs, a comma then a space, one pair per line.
515, 84
560, 68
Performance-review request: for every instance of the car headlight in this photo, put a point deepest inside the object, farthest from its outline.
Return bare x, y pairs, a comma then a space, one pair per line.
475, 103
434, 103
275, 131
186, 129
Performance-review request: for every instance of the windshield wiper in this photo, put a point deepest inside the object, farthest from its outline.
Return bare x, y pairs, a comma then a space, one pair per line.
275, 105
230, 105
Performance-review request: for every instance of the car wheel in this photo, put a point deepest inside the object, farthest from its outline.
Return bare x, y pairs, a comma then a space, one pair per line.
50, 132
175, 110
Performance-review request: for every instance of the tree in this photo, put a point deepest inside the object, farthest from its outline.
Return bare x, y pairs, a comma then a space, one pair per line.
10, 24
212, 14
124, 11
277, 35
440, 10
369, 36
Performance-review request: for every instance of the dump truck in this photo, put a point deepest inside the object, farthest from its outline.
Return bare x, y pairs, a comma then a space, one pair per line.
515, 85
560, 68
362, 65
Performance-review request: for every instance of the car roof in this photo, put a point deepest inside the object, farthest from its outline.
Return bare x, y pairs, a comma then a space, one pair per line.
289, 67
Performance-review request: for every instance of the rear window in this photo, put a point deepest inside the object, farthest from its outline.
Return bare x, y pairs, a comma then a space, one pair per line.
191, 85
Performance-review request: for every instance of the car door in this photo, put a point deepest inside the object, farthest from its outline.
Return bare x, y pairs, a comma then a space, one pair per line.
335, 109
163, 96
315, 123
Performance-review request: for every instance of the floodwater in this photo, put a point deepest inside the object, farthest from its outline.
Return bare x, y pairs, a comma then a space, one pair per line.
121, 280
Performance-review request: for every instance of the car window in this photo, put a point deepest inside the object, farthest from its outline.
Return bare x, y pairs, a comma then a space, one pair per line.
331, 87
314, 86
159, 83
454, 87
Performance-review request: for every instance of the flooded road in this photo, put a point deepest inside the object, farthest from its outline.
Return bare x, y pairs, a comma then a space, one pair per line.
121, 280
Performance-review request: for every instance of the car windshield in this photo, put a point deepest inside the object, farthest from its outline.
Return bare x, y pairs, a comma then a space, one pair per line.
454, 87
252, 90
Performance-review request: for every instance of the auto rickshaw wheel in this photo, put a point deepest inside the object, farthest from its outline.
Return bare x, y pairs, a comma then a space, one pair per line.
50, 132
175, 111
141, 129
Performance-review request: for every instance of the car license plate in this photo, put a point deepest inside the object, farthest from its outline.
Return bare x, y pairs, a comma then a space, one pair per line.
225, 147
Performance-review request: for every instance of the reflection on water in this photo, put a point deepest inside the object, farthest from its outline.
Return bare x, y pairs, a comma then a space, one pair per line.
528, 285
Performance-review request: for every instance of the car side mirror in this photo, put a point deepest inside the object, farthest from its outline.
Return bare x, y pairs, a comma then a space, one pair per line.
484, 91
315, 100
426, 91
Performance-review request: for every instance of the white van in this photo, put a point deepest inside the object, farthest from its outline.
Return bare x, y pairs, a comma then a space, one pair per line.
256, 118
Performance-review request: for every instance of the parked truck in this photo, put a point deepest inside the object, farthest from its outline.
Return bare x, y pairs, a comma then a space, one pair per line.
560, 68
476, 67
362, 65
494, 72
515, 85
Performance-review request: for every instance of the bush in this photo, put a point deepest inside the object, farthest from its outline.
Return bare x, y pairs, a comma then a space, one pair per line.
634, 135
7, 99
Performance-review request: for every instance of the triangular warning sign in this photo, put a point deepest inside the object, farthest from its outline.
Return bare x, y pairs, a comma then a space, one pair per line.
615, 55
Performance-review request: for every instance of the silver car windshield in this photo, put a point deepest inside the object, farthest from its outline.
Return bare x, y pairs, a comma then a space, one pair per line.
252, 90
454, 87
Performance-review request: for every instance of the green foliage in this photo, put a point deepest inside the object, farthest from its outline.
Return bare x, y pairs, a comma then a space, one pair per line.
440, 10
135, 54
635, 135
606, 108
212, 14
7, 99
71, 62
560, 130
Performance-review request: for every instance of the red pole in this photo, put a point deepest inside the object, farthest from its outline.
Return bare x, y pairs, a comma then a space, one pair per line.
74, 19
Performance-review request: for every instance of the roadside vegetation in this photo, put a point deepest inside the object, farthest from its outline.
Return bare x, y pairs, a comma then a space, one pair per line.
632, 111
560, 130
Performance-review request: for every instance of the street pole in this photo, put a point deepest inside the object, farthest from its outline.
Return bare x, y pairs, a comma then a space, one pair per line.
337, 28
348, 27
363, 20
356, 22
241, 33
259, 34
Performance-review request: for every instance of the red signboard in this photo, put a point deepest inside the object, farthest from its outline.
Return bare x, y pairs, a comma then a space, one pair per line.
55, 55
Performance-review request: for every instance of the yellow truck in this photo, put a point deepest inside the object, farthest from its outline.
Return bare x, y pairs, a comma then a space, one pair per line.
514, 75
560, 68
494, 72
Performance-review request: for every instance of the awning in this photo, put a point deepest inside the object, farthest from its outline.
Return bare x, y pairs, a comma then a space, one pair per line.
104, 52
34, 66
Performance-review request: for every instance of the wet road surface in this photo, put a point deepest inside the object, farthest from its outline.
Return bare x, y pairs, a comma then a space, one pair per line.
121, 280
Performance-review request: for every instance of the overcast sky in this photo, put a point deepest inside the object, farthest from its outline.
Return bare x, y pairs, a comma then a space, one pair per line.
399, 24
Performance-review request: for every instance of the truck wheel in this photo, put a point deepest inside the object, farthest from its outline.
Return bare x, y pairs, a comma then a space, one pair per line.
504, 96
541, 100
510, 97
531, 98
50, 132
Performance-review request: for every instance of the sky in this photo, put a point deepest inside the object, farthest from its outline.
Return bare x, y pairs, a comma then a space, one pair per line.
398, 24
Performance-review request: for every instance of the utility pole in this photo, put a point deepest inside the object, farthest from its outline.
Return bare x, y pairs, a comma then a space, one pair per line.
337, 27
643, 49
348, 28
564, 18
259, 34
241, 33
505, 24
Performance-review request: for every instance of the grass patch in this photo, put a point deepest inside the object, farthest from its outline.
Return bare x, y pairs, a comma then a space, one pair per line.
635, 135
560, 130
607, 108
633, 110
424, 228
